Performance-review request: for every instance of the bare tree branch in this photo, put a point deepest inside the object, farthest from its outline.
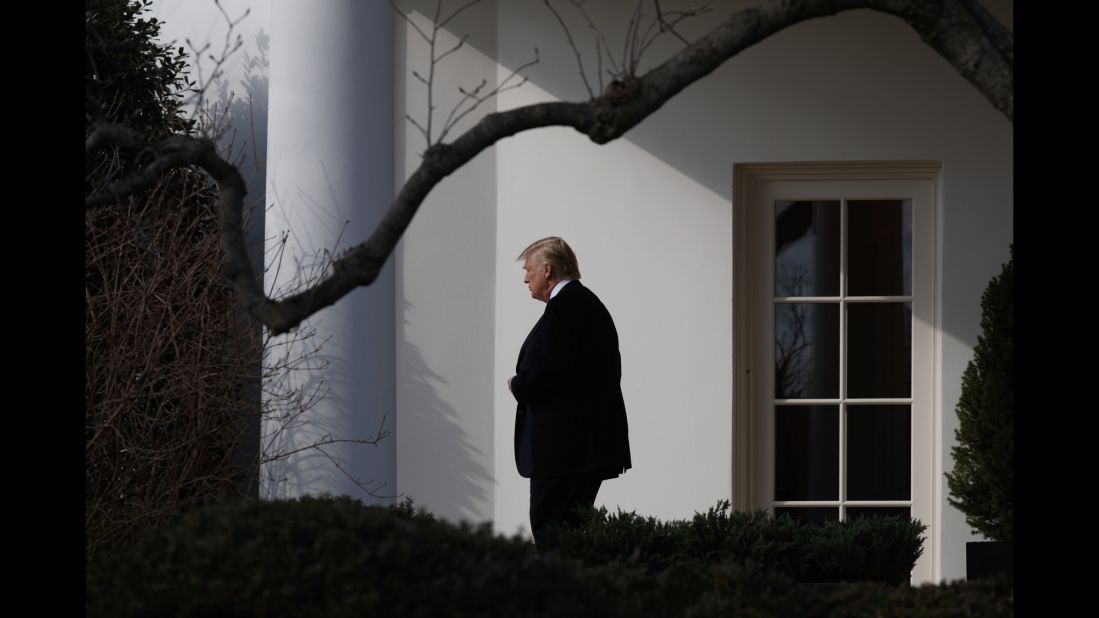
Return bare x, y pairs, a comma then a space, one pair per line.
503, 86
957, 31
473, 99
616, 70
467, 95
572, 44
327, 440
423, 131
457, 12
660, 25
408, 19
229, 47
629, 63
450, 51
599, 63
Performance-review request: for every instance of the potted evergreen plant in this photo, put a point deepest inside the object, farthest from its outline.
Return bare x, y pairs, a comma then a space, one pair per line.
981, 483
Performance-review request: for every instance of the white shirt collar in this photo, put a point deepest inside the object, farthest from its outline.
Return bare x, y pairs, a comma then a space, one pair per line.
557, 288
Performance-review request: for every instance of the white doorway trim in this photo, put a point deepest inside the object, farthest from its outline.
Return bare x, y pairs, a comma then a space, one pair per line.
751, 182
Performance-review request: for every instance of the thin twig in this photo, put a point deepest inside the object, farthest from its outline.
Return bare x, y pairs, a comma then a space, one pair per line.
615, 68
572, 44
599, 63
228, 49
628, 61
423, 131
669, 26
455, 13
466, 96
501, 87
461, 42
408, 19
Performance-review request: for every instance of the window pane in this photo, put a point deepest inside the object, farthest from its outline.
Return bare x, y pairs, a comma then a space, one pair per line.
809, 515
807, 248
879, 248
806, 452
900, 512
879, 350
807, 350
879, 452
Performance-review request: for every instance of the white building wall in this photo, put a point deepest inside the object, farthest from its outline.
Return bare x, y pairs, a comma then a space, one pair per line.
649, 216
445, 283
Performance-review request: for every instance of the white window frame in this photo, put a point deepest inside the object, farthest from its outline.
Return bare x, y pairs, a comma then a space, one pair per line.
754, 183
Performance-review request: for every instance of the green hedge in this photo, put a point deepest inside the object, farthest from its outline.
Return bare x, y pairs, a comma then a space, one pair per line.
991, 598
866, 549
331, 557
337, 557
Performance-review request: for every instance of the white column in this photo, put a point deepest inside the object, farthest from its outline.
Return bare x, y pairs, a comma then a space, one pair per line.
329, 181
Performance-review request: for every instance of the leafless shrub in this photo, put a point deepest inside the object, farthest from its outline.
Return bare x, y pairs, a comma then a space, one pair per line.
168, 359
178, 379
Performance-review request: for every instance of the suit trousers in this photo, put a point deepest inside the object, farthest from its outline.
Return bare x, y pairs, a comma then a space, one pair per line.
554, 502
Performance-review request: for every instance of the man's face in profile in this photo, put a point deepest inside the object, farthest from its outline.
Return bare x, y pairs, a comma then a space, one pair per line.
536, 277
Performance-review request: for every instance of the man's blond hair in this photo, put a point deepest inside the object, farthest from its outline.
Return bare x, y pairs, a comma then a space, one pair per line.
555, 252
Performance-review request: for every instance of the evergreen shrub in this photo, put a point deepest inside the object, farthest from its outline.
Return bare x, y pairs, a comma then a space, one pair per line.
331, 557
336, 557
864, 549
983, 479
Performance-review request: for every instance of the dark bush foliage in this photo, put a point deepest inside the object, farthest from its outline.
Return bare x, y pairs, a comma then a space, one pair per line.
172, 364
332, 557
168, 357
985, 598
867, 549
129, 77
694, 588
336, 557
983, 479
879, 549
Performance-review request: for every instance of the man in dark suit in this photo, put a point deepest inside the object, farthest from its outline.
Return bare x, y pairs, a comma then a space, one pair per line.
570, 424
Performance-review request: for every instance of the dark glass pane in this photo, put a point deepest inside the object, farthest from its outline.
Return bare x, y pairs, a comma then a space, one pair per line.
879, 350
807, 452
900, 512
879, 452
879, 248
807, 350
810, 514
807, 248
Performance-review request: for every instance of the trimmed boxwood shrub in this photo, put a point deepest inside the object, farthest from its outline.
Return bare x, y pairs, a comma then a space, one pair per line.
694, 588
870, 549
866, 549
992, 597
336, 557
332, 557
983, 479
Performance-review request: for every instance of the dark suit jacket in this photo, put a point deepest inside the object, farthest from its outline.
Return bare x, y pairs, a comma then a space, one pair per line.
571, 418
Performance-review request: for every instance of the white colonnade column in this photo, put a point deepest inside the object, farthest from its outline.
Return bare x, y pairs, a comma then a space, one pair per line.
329, 181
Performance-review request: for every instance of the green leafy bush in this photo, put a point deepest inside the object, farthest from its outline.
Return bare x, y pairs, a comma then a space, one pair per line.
866, 549
331, 557
986, 598
983, 479
878, 549
336, 557
129, 77
694, 588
